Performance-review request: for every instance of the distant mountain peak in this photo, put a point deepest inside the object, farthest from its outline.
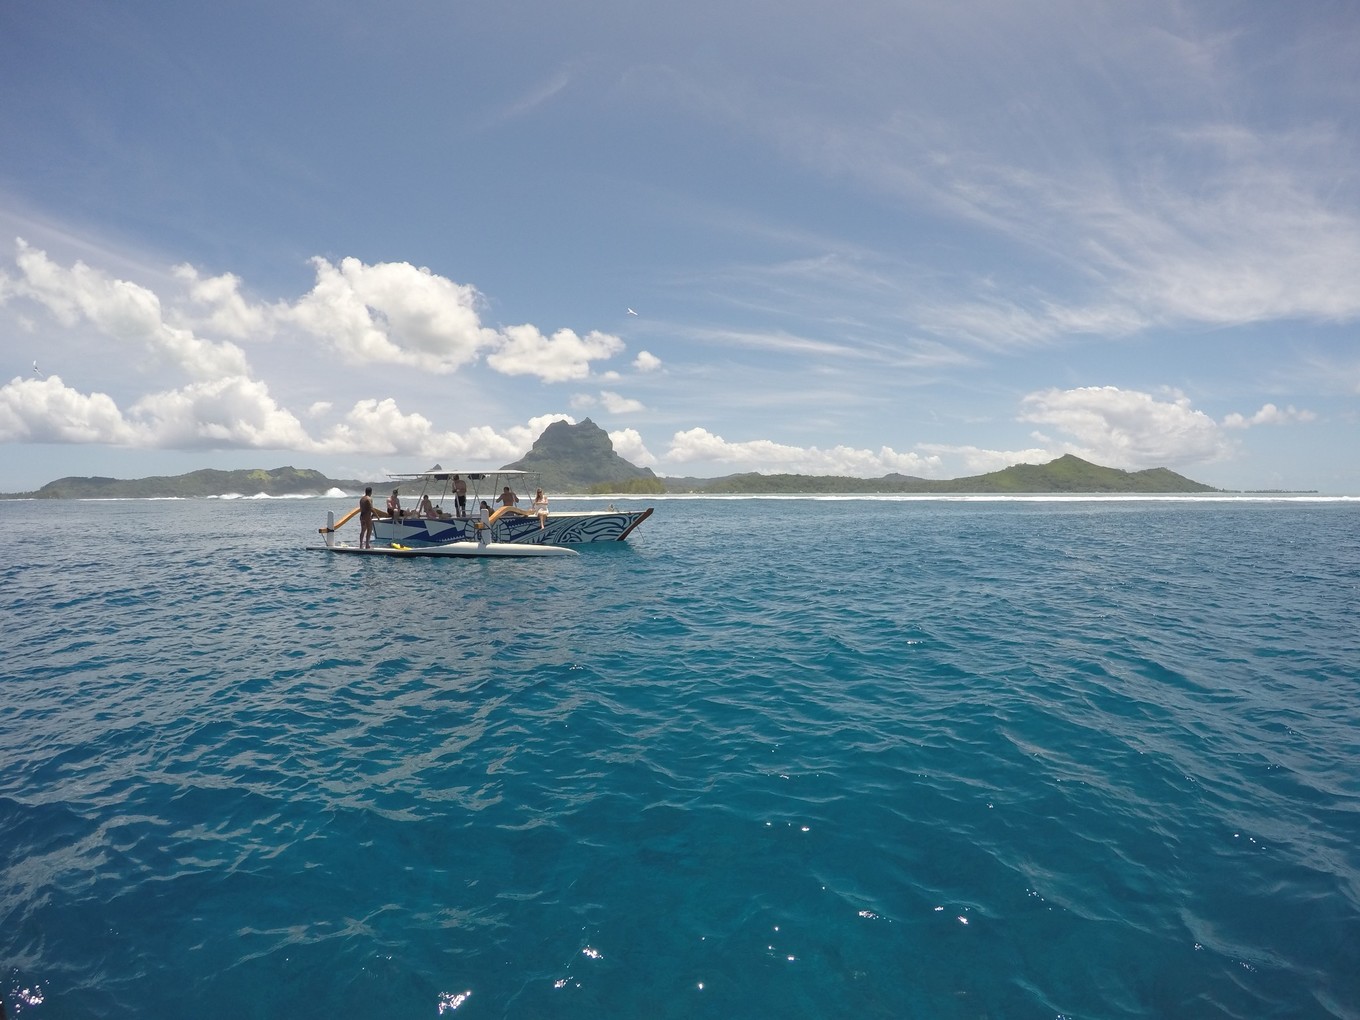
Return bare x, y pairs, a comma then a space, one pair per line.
575, 458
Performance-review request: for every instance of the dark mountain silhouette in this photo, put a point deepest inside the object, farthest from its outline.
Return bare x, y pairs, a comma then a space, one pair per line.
581, 458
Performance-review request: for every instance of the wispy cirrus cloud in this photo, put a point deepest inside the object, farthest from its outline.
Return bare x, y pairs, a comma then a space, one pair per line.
1200, 209
541, 92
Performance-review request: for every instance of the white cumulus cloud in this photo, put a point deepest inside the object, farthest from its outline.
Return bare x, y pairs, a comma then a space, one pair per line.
1127, 428
562, 357
381, 428
125, 311
229, 413
393, 312
616, 403
49, 411
1269, 414
701, 446
233, 412
612, 402
223, 309
978, 460
628, 444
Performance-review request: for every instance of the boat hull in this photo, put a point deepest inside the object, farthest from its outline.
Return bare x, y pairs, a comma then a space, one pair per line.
569, 528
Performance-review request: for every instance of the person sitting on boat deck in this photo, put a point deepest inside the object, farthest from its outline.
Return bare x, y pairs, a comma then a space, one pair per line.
507, 497
426, 507
459, 496
394, 504
366, 518
484, 506
541, 508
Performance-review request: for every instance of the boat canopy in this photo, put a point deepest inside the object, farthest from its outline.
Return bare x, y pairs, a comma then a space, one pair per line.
438, 474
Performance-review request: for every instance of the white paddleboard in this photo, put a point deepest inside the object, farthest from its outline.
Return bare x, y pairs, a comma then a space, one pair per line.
454, 549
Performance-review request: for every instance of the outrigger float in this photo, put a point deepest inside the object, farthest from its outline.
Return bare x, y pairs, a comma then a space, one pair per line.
504, 531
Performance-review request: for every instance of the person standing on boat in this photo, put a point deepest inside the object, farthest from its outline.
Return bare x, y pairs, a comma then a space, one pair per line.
507, 497
366, 518
459, 496
541, 508
394, 504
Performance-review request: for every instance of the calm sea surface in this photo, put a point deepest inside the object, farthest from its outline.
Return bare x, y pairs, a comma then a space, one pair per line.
772, 758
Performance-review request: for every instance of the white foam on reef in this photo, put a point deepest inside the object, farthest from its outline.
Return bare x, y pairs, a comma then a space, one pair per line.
265, 495
1004, 497
223, 497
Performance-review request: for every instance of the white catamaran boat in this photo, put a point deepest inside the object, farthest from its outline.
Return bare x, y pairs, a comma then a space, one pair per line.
482, 526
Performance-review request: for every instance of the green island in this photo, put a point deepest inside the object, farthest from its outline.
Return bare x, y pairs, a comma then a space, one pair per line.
1066, 474
581, 459
283, 481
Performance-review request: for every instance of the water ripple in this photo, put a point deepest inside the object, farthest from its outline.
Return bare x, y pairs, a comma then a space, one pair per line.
990, 759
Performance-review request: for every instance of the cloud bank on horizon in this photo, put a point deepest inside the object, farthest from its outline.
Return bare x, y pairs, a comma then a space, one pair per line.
954, 240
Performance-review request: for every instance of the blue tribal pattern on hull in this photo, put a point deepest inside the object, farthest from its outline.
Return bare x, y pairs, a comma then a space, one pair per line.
561, 529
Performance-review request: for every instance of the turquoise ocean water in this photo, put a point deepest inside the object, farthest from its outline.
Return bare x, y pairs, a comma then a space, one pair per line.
772, 758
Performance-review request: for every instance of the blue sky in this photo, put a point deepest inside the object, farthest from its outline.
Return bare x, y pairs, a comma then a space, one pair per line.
935, 238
